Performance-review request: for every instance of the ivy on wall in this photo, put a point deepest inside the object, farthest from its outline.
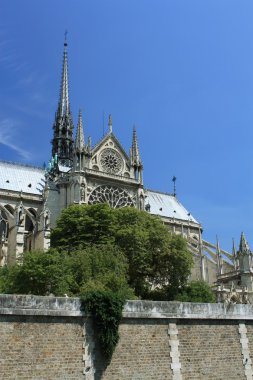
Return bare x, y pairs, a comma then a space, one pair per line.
105, 308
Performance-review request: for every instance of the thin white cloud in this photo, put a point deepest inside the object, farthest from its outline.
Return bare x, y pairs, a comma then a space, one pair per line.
10, 58
28, 110
27, 80
7, 138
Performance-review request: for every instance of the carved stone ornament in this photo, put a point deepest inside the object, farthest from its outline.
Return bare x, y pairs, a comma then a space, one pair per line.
111, 161
114, 196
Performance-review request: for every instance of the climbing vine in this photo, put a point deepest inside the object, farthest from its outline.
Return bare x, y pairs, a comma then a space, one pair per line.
106, 310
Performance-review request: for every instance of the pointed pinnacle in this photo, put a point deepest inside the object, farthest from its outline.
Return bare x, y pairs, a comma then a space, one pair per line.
217, 246
233, 248
234, 254
80, 142
135, 154
243, 246
89, 144
110, 123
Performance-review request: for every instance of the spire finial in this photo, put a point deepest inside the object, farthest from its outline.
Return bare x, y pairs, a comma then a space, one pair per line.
110, 123
174, 185
65, 38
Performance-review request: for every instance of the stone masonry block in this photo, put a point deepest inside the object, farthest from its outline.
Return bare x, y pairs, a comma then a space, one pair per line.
175, 366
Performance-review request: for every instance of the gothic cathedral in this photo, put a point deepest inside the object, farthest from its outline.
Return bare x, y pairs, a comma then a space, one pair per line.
31, 198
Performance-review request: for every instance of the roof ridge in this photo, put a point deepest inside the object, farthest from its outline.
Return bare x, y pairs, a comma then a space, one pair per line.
21, 164
161, 192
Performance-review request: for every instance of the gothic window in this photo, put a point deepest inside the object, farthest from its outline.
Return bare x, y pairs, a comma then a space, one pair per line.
114, 196
3, 226
111, 161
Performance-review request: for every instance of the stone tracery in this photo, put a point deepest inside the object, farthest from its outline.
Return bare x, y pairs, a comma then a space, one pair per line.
111, 161
114, 196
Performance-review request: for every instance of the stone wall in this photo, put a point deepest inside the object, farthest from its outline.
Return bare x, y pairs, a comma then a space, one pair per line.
50, 338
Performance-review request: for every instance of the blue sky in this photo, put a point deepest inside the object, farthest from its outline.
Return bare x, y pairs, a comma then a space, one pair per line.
181, 71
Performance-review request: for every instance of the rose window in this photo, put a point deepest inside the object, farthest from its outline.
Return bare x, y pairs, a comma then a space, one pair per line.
111, 161
115, 197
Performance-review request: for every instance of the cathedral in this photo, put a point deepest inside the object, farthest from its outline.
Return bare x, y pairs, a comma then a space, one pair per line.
31, 198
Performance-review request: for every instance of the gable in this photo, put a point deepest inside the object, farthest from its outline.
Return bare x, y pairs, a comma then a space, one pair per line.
110, 157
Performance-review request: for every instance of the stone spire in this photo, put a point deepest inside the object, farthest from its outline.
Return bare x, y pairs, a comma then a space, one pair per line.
243, 246
135, 154
63, 105
80, 142
62, 143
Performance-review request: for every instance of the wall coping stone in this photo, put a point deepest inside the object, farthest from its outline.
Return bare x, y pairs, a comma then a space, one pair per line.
187, 310
39, 305
70, 307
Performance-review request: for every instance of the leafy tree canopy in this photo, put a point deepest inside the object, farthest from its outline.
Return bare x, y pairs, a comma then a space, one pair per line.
155, 257
196, 291
74, 273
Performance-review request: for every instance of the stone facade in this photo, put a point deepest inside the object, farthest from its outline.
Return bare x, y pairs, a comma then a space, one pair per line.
50, 338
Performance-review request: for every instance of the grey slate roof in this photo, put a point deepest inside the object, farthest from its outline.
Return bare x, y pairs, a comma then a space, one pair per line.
166, 205
17, 177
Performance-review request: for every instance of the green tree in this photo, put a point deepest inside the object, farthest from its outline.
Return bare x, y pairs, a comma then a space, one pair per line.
79, 226
75, 273
156, 258
41, 273
196, 291
102, 268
